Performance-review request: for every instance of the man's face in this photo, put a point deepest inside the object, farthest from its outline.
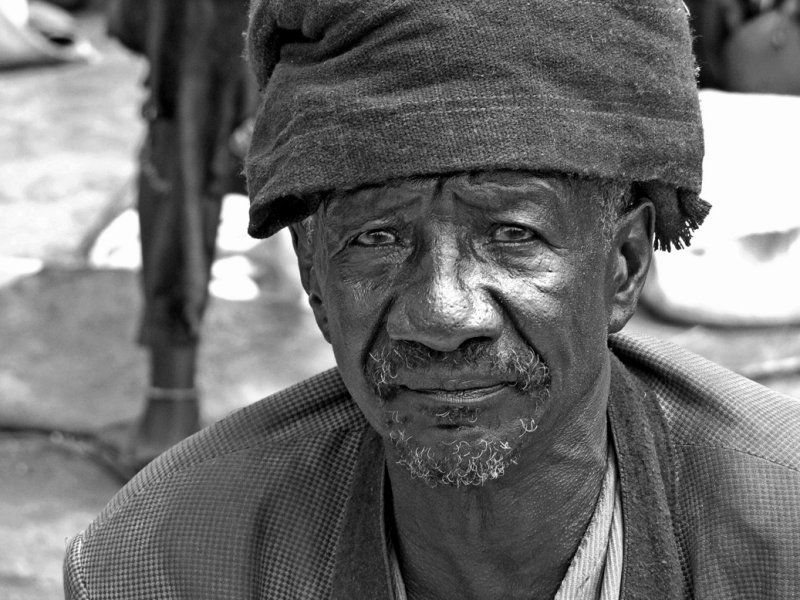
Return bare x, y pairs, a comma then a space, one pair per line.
468, 315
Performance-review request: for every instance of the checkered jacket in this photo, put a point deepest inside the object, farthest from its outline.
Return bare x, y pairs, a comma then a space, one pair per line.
284, 499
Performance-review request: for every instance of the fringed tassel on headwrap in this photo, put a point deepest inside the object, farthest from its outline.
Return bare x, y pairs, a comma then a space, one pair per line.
678, 214
695, 211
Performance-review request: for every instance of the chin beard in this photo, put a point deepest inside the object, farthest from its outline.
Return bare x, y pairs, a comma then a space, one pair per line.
461, 462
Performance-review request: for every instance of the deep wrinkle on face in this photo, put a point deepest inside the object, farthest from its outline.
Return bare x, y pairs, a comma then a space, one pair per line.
502, 263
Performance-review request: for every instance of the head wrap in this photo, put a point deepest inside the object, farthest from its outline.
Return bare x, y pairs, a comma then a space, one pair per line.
358, 93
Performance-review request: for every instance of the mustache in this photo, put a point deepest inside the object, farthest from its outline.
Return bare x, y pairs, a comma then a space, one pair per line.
523, 367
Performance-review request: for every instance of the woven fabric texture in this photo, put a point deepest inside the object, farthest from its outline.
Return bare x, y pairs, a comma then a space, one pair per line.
359, 93
225, 513
735, 449
282, 499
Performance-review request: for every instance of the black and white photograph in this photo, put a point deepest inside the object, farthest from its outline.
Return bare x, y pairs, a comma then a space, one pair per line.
399, 299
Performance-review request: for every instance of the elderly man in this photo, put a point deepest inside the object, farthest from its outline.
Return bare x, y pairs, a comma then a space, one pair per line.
474, 189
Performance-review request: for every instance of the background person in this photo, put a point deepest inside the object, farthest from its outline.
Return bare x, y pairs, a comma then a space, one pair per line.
200, 95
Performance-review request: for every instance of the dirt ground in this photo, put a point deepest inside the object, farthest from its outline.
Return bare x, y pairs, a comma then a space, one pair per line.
69, 370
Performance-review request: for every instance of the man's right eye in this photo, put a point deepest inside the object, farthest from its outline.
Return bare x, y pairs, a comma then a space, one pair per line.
376, 237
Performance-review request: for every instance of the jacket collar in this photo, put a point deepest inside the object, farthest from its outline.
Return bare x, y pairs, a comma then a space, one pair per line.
651, 568
361, 569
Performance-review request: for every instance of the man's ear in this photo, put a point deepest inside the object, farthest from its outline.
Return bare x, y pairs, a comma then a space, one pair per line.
632, 247
308, 277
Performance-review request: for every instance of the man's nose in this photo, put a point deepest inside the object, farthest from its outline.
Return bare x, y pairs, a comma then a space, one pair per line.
444, 305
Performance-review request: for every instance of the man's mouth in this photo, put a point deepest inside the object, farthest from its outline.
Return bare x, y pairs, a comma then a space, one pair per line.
473, 374
456, 395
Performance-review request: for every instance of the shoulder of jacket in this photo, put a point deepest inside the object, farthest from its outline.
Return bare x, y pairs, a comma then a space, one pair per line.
269, 485
314, 426
74, 586
709, 408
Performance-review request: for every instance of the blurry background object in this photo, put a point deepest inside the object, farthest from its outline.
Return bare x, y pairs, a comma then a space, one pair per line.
743, 267
70, 4
748, 45
37, 33
763, 53
15, 12
200, 94
68, 368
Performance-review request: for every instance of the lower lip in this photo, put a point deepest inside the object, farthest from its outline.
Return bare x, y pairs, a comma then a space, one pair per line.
460, 397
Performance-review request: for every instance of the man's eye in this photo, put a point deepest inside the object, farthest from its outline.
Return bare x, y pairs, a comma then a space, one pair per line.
376, 237
513, 233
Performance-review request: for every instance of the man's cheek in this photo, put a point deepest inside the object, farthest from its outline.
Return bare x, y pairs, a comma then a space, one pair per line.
368, 271
560, 295
535, 303
356, 311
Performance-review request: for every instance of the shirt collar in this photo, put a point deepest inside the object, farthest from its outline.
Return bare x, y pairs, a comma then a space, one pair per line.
596, 568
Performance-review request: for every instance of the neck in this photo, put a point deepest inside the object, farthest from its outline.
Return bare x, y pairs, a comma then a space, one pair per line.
513, 537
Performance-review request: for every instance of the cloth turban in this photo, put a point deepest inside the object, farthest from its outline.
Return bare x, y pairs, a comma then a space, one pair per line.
358, 93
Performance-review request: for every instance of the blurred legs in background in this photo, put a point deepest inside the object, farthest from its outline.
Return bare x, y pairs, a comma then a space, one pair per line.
172, 404
200, 94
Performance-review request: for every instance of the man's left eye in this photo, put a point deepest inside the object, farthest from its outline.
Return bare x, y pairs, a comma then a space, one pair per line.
513, 233
376, 237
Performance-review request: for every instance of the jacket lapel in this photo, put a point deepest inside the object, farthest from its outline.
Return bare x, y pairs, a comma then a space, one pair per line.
651, 567
361, 569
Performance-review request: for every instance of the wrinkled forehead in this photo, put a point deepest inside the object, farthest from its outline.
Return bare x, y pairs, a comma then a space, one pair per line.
495, 190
